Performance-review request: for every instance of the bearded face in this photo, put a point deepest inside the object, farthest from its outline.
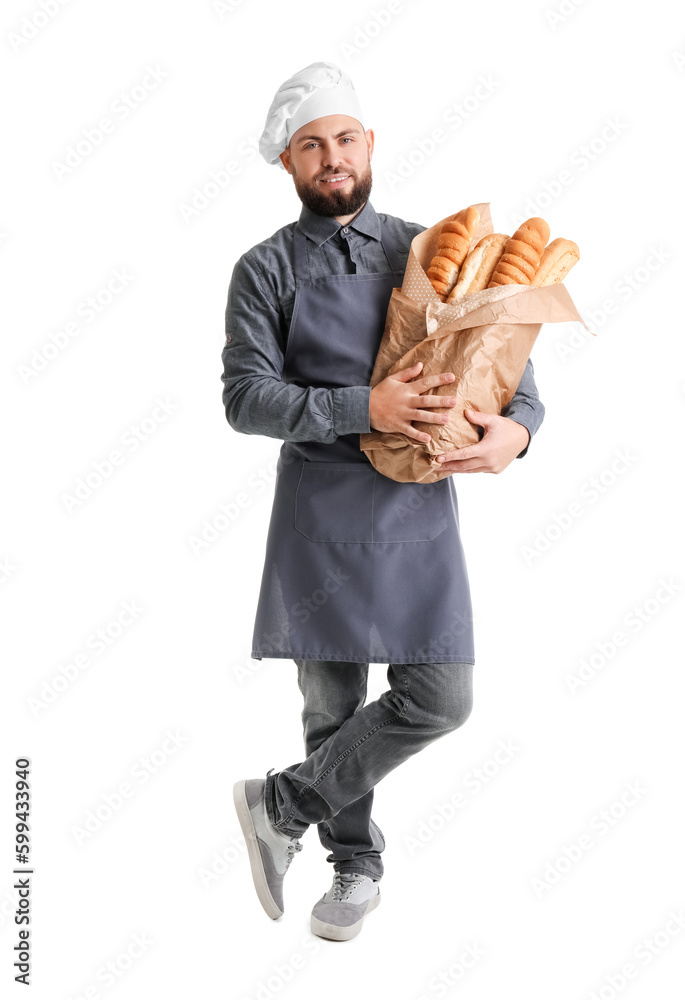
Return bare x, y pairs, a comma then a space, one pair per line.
325, 195
330, 162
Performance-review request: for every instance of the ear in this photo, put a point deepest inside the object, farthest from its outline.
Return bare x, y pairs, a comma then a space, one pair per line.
369, 141
285, 159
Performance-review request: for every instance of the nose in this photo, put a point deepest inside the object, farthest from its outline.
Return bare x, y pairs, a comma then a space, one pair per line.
332, 155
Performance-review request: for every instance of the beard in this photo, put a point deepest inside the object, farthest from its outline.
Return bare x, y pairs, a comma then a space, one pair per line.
335, 202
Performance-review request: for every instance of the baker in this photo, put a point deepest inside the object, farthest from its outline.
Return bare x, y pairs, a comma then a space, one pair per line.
358, 568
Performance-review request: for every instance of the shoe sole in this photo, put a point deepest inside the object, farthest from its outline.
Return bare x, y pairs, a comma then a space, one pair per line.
254, 854
335, 933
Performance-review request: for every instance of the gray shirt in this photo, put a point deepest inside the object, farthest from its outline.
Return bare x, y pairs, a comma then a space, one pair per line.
259, 309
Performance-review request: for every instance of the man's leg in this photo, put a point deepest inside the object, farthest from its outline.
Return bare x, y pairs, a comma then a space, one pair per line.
332, 692
425, 701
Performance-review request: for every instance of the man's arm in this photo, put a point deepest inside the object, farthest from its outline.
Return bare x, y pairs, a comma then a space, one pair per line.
525, 406
255, 397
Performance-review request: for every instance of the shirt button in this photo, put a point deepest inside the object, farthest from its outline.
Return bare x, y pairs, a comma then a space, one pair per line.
346, 229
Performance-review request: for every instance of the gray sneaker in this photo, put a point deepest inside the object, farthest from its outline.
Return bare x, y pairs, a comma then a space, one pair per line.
270, 852
340, 912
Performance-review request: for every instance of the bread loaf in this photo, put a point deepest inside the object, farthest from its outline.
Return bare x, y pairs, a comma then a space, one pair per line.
454, 240
477, 269
557, 260
522, 252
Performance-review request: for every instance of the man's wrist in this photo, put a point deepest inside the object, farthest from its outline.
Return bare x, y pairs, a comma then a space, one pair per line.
525, 436
351, 409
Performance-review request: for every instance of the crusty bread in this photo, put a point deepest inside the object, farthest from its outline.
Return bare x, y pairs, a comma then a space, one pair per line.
454, 240
557, 260
521, 257
477, 269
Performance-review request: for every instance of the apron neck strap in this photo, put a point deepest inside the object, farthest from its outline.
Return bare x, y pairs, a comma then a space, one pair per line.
302, 259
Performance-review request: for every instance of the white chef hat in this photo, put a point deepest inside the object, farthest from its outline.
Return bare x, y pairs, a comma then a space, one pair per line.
319, 89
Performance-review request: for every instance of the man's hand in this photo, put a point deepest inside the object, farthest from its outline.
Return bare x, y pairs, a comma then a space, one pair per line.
401, 398
502, 441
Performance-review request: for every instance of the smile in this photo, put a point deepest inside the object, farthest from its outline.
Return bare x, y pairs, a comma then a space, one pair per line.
338, 179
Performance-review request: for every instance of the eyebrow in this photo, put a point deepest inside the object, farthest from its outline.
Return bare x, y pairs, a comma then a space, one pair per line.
338, 135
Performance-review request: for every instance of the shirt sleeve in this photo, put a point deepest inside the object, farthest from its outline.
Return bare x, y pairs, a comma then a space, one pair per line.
255, 397
525, 406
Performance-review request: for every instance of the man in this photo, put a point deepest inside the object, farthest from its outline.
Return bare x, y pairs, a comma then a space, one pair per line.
358, 568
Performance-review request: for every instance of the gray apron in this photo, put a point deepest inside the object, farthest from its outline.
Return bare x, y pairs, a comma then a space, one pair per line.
358, 567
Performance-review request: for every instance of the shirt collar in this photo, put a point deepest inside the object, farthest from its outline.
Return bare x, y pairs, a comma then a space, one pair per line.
320, 228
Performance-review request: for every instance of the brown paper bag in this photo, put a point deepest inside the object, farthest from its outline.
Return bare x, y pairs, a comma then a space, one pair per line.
485, 338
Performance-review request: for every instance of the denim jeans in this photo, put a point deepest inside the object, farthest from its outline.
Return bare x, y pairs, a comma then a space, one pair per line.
351, 746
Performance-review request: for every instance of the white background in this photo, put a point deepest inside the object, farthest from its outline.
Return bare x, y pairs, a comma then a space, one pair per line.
549, 590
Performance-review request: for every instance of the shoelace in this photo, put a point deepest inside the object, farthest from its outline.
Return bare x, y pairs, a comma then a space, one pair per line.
344, 884
292, 849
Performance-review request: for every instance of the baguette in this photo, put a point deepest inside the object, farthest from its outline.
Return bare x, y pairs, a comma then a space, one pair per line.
557, 260
454, 240
521, 257
477, 269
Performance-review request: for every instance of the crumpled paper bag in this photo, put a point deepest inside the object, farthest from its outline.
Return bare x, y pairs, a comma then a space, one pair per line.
485, 338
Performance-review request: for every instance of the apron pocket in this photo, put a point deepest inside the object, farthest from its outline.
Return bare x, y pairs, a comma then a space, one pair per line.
334, 500
352, 502
408, 512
